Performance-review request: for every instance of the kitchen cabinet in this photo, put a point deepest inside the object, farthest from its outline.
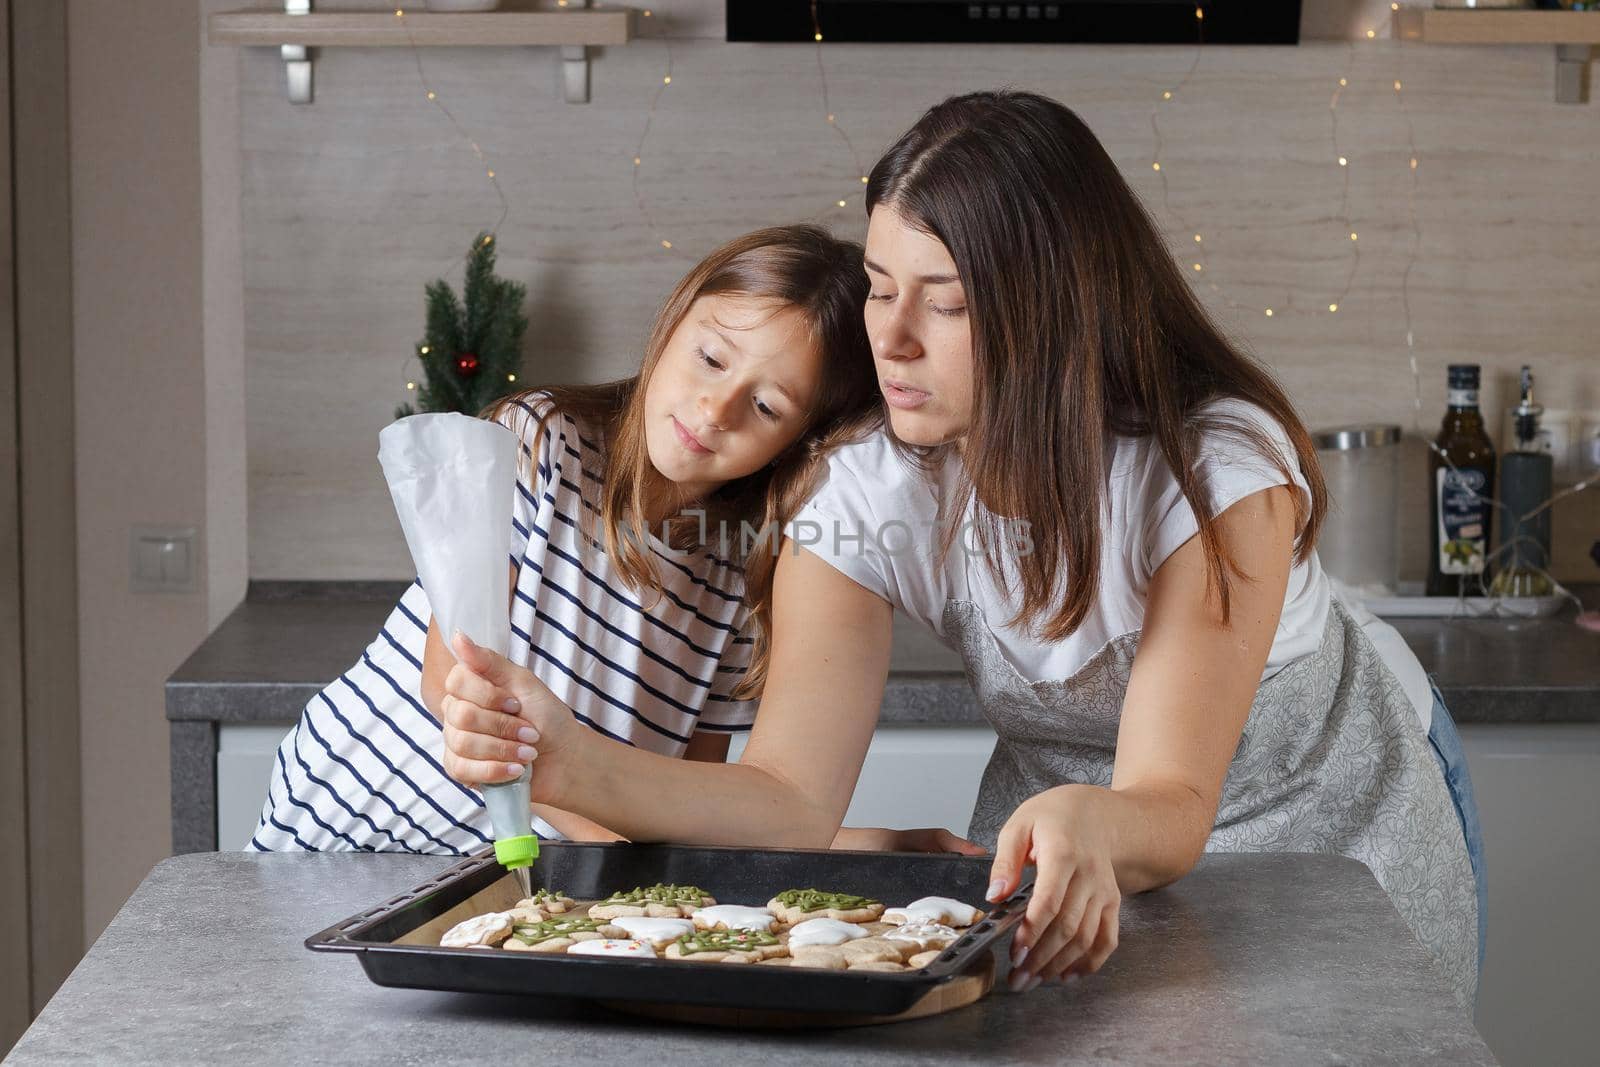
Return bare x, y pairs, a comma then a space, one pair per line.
1538, 790
917, 776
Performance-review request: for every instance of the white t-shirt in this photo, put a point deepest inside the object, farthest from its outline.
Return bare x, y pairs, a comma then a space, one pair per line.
878, 521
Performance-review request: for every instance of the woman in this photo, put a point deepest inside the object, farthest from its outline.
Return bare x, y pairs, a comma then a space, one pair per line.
1111, 513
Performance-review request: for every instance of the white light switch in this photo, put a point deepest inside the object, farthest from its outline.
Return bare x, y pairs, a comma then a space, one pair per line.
163, 559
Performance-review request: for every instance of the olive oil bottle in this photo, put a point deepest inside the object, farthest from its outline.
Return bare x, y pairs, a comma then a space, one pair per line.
1461, 481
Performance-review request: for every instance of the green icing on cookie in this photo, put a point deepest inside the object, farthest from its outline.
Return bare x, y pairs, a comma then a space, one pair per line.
817, 900
724, 941
658, 894
548, 894
533, 933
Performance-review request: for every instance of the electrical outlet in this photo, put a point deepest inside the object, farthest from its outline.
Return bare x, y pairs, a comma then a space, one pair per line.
162, 559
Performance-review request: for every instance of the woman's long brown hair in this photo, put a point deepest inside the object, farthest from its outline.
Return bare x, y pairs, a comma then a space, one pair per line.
803, 267
1083, 327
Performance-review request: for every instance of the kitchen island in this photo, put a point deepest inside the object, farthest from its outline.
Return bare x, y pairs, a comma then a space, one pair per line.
1250, 959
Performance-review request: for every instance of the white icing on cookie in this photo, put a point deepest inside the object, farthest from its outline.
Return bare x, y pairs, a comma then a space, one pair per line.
736, 917
476, 930
926, 934
612, 946
824, 932
933, 910
655, 931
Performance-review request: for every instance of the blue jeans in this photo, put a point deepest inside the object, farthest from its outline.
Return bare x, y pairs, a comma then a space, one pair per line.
1446, 745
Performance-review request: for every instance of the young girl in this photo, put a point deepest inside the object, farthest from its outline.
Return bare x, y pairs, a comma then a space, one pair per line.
1114, 514
650, 631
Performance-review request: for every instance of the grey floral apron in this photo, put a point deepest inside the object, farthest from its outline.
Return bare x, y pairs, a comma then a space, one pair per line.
1332, 759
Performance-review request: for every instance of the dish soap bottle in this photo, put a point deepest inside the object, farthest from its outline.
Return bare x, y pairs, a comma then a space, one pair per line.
1526, 477
1461, 483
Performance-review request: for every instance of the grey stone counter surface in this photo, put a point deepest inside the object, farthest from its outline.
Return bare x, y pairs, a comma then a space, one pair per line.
1250, 959
289, 639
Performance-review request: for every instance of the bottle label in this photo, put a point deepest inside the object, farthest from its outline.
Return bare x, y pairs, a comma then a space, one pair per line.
1463, 398
1463, 520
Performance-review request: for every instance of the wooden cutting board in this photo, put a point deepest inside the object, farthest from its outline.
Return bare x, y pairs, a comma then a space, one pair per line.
957, 993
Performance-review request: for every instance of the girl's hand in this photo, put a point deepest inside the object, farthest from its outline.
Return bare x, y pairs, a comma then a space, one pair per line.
928, 839
1071, 924
495, 713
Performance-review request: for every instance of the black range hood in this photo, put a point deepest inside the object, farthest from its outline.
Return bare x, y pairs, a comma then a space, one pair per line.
1065, 21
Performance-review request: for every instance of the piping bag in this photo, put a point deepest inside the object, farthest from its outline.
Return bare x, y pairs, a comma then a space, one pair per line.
453, 479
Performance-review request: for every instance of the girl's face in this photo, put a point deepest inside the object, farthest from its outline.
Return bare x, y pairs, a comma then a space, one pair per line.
917, 321
733, 388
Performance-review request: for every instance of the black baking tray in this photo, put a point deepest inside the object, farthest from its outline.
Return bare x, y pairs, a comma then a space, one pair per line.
732, 875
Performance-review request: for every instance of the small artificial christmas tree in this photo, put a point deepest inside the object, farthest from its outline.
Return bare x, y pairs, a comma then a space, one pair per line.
472, 347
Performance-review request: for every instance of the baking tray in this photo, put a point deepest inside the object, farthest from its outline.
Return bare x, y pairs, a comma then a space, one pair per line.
397, 940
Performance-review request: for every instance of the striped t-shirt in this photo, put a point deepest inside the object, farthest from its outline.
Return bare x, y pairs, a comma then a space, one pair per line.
363, 768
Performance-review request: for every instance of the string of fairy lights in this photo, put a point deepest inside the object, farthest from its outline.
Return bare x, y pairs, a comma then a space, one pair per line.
1198, 261
432, 96
1332, 304
831, 117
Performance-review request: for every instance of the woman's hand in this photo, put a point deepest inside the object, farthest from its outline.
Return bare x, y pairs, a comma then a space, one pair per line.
1071, 924
927, 839
494, 714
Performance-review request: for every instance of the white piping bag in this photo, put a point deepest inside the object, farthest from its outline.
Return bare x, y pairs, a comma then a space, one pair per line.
452, 478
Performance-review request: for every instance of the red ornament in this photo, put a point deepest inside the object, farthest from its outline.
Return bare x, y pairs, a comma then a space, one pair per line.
466, 364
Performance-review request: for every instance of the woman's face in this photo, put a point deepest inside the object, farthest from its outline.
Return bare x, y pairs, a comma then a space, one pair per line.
731, 391
917, 322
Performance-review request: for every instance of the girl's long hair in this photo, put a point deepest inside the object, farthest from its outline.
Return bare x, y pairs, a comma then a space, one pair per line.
1083, 327
803, 267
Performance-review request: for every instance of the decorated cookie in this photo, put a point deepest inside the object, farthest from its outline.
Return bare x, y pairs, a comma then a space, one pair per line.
733, 917
877, 950
924, 934
726, 946
934, 910
525, 913
558, 935
656, 901
655, 931
490, 929
611, 946
797, 905
824, 932
823, 957
552, 901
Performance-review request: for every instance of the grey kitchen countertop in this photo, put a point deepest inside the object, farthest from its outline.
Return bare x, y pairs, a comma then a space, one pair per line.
289, 639
1250, 959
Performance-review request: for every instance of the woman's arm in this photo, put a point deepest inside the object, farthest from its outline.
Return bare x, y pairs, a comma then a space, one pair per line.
830, 660
1193, 682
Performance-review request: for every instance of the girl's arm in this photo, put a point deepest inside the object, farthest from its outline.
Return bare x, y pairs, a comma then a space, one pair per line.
1193, 682
791, 788
436, 664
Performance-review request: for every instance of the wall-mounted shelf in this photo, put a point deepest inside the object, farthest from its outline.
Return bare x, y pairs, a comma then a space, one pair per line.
297, 29
1572, 32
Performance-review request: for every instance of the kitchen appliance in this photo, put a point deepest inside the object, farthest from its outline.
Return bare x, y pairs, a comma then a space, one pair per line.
963, 22
1526, 483
1359, 542
397, 940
